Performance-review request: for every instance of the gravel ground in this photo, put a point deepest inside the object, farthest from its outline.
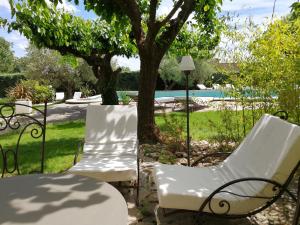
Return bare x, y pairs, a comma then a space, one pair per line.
280, 213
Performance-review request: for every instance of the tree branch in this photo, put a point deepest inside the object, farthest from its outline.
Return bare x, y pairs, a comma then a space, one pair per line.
131, 8
152, 12
176, 24
172, 13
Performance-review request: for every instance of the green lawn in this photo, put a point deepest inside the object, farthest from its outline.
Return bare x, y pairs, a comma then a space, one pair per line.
61, 144
200, 127
62, 140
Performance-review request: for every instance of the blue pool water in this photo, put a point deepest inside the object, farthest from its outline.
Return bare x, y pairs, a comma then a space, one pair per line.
193, 93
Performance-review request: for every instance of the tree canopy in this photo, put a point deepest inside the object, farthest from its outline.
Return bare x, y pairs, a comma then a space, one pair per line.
96, 41
53, 28
153, 35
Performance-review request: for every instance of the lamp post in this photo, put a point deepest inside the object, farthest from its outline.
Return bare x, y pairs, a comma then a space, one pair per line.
187, 65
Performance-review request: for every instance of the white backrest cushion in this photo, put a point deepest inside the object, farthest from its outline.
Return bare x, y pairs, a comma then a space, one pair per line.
77, 95
110, 123
271, 150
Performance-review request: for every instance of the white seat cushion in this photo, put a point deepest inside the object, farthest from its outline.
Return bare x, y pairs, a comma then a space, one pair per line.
107, 168
270, 150
108, 162
117, 148
181, 187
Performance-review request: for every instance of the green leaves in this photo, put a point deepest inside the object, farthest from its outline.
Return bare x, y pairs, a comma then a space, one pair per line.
53, 28
6, 56
206, 8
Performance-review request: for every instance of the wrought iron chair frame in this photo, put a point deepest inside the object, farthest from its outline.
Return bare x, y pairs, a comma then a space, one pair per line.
9, 122
279, 190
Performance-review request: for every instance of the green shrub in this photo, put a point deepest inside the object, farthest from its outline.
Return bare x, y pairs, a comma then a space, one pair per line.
7, 81
86, 91
31, 90
174, 135
125, 99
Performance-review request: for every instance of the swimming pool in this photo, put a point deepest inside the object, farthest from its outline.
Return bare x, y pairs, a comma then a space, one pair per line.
182, 93
192, 93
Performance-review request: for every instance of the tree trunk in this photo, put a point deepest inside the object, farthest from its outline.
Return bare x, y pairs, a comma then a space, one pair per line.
107, 81
147, 83
69, 92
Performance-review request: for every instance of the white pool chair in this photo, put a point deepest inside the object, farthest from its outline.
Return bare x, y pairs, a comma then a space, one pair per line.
254, 176
216, 86
229, 86
87, 100
77, 95
195, 103
203, 87
59, 96
163, 101
110, 150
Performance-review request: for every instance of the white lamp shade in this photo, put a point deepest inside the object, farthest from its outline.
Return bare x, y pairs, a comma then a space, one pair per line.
187, 63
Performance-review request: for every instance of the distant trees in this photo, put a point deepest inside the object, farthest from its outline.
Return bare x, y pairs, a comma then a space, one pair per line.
171, 75
65, 73
6, 56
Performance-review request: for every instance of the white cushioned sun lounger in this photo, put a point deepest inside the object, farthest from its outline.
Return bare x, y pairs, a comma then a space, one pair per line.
111, 146
216, 86
162, 101
270, 151
59, 96
88, 100
203, 87
77, 95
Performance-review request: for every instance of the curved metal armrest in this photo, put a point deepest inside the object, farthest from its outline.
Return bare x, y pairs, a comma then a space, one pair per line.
79, 150
225, 206
281, 114
215, 154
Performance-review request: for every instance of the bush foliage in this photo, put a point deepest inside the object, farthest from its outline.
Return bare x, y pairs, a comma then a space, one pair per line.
31, 90
7, 81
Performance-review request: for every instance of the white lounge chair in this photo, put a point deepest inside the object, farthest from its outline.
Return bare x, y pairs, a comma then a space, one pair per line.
110, 151
87, 100
59, 96
203, 87
249, 180
216, 86
229, 86
77, 95
194, 102
163, 101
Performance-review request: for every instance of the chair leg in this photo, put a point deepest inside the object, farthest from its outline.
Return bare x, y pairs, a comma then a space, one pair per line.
297, 211
138, 186
137, 201
156, 214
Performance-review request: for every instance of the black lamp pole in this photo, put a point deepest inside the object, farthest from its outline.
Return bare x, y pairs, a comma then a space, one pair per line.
187, 73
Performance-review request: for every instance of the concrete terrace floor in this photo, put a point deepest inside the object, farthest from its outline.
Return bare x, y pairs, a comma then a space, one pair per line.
68, 112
